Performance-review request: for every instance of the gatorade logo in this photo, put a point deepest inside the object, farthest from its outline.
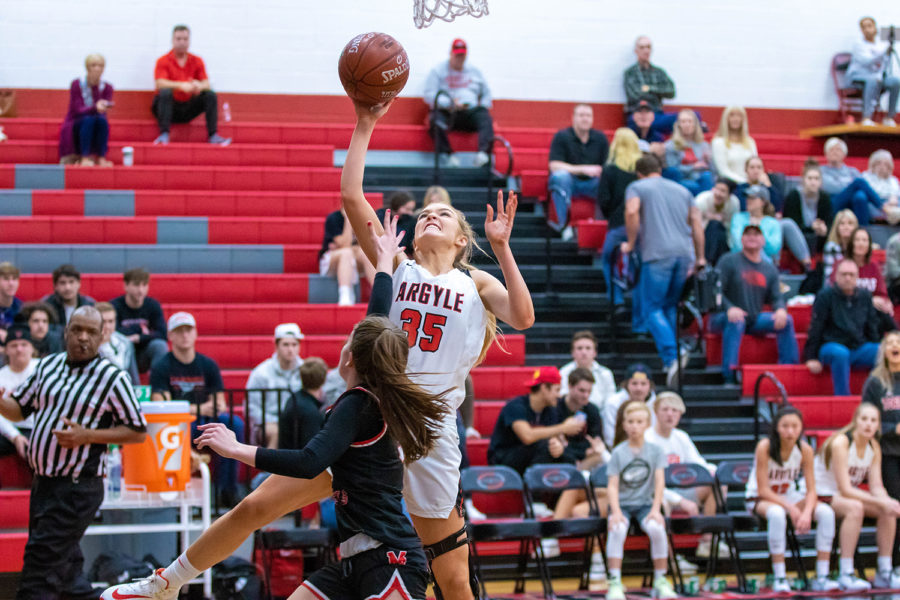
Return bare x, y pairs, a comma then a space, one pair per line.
169, 441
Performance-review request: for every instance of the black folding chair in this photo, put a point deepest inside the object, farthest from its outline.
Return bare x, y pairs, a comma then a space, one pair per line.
736, 474
320, 544
506, 522
720, 525
553, 479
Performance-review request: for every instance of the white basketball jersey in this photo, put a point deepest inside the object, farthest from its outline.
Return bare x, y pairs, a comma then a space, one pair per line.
858, 468
444, 320
784, 479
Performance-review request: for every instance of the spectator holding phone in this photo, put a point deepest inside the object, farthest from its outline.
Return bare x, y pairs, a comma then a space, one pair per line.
84, 135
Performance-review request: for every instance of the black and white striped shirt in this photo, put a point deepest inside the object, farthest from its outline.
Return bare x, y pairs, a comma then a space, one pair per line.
97, 395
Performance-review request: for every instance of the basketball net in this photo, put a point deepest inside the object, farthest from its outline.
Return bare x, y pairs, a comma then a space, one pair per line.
426, 11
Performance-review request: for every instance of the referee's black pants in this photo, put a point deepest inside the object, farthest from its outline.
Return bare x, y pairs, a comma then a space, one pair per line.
61, 509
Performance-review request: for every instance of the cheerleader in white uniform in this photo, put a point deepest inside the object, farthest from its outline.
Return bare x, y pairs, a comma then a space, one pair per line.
782, 483
850, 457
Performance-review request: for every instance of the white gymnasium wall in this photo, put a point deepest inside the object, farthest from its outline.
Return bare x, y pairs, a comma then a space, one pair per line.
771, 53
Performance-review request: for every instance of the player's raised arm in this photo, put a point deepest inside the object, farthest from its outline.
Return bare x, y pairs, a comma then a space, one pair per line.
358, 209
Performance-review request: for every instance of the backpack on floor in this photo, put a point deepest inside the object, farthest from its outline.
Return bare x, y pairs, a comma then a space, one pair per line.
236, 579
113, 568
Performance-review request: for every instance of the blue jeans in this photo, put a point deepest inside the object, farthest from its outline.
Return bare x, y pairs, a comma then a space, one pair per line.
733, 333
225, 470
702, 183
563, 187
839, 359
662, 282
857, 197
614, 239
92, 135
873, 87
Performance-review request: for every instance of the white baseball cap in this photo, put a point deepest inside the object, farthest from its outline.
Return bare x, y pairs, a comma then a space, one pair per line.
179, 319
288, 330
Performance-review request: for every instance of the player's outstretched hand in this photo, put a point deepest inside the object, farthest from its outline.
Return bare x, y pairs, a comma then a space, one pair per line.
219, 438
387, 245
369, 113
499, 230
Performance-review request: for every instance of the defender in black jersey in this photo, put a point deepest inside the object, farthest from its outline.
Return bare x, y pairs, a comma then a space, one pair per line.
381, 553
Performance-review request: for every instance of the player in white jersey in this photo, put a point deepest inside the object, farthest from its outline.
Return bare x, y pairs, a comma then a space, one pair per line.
442, 297
850, 457
458, 306
781, 484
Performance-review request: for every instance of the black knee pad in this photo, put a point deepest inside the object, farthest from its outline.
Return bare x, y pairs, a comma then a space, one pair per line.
449, 543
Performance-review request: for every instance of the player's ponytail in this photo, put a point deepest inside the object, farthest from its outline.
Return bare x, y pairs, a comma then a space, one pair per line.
413, 416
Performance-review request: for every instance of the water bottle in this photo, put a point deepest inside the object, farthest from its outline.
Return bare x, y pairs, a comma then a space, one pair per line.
114, 473
226, 112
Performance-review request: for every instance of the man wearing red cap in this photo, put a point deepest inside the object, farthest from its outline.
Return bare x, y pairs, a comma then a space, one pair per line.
464, 105
528, 430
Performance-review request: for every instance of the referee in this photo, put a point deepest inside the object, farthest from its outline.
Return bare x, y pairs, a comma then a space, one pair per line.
81, 402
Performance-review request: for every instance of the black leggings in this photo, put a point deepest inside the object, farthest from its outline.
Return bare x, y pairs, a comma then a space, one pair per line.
890, 475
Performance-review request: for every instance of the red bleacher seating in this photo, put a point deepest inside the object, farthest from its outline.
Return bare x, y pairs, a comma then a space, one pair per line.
232, 352
186, 288
14, 473
797, 380
754, 349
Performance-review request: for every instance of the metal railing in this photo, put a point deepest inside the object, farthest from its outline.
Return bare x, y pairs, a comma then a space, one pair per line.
765, 376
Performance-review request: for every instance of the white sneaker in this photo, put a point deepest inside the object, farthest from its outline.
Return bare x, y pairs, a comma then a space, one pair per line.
3, 137
449, 160
550, 547
889, 122
887, 580
473, 513
482, 158
868, 122
615, 590
824, 584
598, 569
780, 586
151, 588
346, 296
850, 583
705, 546
686, 567
567, 234
541, 511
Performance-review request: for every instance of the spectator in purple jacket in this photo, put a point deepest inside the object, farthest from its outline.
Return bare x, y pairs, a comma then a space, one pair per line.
84, 134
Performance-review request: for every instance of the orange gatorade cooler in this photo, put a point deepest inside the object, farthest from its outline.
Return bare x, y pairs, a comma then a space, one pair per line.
162, 463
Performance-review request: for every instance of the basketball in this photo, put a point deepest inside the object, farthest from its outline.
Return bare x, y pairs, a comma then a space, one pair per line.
373, 68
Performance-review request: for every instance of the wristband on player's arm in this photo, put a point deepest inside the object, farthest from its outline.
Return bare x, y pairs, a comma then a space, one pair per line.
380, 300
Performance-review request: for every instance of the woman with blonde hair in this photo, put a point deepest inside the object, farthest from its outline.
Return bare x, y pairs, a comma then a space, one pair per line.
688, 156
842, 228
436, 193
84, 134
732, 145
618, 173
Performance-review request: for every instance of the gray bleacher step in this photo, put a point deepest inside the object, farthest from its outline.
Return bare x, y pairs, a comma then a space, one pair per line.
704, 425
160, 258
405, 177
736, 442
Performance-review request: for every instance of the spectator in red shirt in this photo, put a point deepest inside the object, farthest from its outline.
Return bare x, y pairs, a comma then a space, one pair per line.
183, 90
859, 249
